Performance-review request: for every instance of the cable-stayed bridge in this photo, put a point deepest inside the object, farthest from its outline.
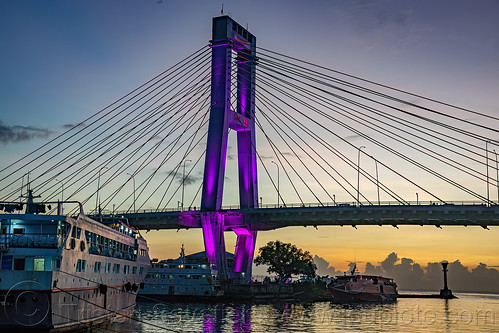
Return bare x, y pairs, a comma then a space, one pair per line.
364, 153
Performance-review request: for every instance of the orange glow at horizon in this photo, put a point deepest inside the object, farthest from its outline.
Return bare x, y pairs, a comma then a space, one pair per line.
341, 245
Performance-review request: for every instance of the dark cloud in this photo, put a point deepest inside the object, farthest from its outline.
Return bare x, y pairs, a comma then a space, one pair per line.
323, 267
367, 17
70, 126
411, 275
189, 178
15, 134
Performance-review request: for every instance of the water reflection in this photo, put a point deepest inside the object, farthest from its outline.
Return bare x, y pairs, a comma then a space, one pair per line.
468, 313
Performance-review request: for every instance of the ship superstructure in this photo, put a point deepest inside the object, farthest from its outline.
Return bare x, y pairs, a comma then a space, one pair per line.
59, 272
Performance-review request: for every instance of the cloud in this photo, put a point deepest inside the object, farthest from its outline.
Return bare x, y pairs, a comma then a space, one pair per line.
323, 267
15, 134
70, 126
411, 275
189, 178
374, 23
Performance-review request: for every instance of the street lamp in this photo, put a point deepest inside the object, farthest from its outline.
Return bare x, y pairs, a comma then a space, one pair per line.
98, 186
62, 194
358, 175
497, 177
487, 161
377, 179
277, 165
183, 184
133, 178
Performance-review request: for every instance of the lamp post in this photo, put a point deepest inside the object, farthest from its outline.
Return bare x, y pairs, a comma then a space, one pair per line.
133, 178
497, 176
377, 178
487, 161
62, 194
358, 175
183, 184
98, 186
277, 165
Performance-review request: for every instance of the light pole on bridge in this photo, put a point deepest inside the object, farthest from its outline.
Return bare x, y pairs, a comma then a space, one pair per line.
277, 165
377, 178
98, 187
183, 184
497, 176
487, 162
133, 178
358, 175
62, 195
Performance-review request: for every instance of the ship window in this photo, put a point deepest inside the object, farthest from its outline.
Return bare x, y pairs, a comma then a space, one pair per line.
134, 270
97, 267
19, 264
18, 231
39, 264
108, 267
73, 232
3, 230
78, 232
83, 265
6, 263
141, 270
78, 265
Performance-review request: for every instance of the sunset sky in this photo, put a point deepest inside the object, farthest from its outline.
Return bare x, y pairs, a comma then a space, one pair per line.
61, 61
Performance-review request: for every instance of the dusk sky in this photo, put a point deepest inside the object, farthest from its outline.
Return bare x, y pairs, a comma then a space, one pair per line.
62, 61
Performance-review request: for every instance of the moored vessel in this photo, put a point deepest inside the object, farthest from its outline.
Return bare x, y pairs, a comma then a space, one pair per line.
187, 278
356, 287
59, 273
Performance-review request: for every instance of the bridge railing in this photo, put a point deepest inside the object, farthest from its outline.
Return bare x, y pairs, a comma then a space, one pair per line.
310, 204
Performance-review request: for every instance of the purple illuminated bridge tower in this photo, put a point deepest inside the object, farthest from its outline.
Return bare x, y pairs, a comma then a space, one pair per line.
229, 39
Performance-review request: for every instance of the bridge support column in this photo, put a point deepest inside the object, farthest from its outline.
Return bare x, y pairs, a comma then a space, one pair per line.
229, 38
243, 257
214, 241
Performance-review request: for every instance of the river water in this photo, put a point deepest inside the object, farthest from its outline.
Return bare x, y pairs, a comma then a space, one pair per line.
468, 313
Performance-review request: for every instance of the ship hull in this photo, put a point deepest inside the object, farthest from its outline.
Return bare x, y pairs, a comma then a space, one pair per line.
347, 296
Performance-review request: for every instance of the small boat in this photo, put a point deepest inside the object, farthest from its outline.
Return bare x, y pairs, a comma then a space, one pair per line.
362, 288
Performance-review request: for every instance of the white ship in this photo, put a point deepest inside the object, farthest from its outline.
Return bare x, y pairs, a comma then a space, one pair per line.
185, 278
60, 273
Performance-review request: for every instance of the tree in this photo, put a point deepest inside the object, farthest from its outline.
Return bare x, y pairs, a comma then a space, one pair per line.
285, 260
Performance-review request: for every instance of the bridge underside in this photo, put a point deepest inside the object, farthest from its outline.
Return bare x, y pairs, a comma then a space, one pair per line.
269, 219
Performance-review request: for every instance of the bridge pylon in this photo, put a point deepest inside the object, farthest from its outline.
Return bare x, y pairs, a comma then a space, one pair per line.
228, 39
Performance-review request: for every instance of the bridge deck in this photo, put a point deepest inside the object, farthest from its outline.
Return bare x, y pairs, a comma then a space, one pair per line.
274, 218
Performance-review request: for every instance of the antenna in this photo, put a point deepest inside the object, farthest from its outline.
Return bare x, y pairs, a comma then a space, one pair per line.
222, 11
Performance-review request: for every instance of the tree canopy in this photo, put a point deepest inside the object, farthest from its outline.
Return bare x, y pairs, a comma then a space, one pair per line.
285, 260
